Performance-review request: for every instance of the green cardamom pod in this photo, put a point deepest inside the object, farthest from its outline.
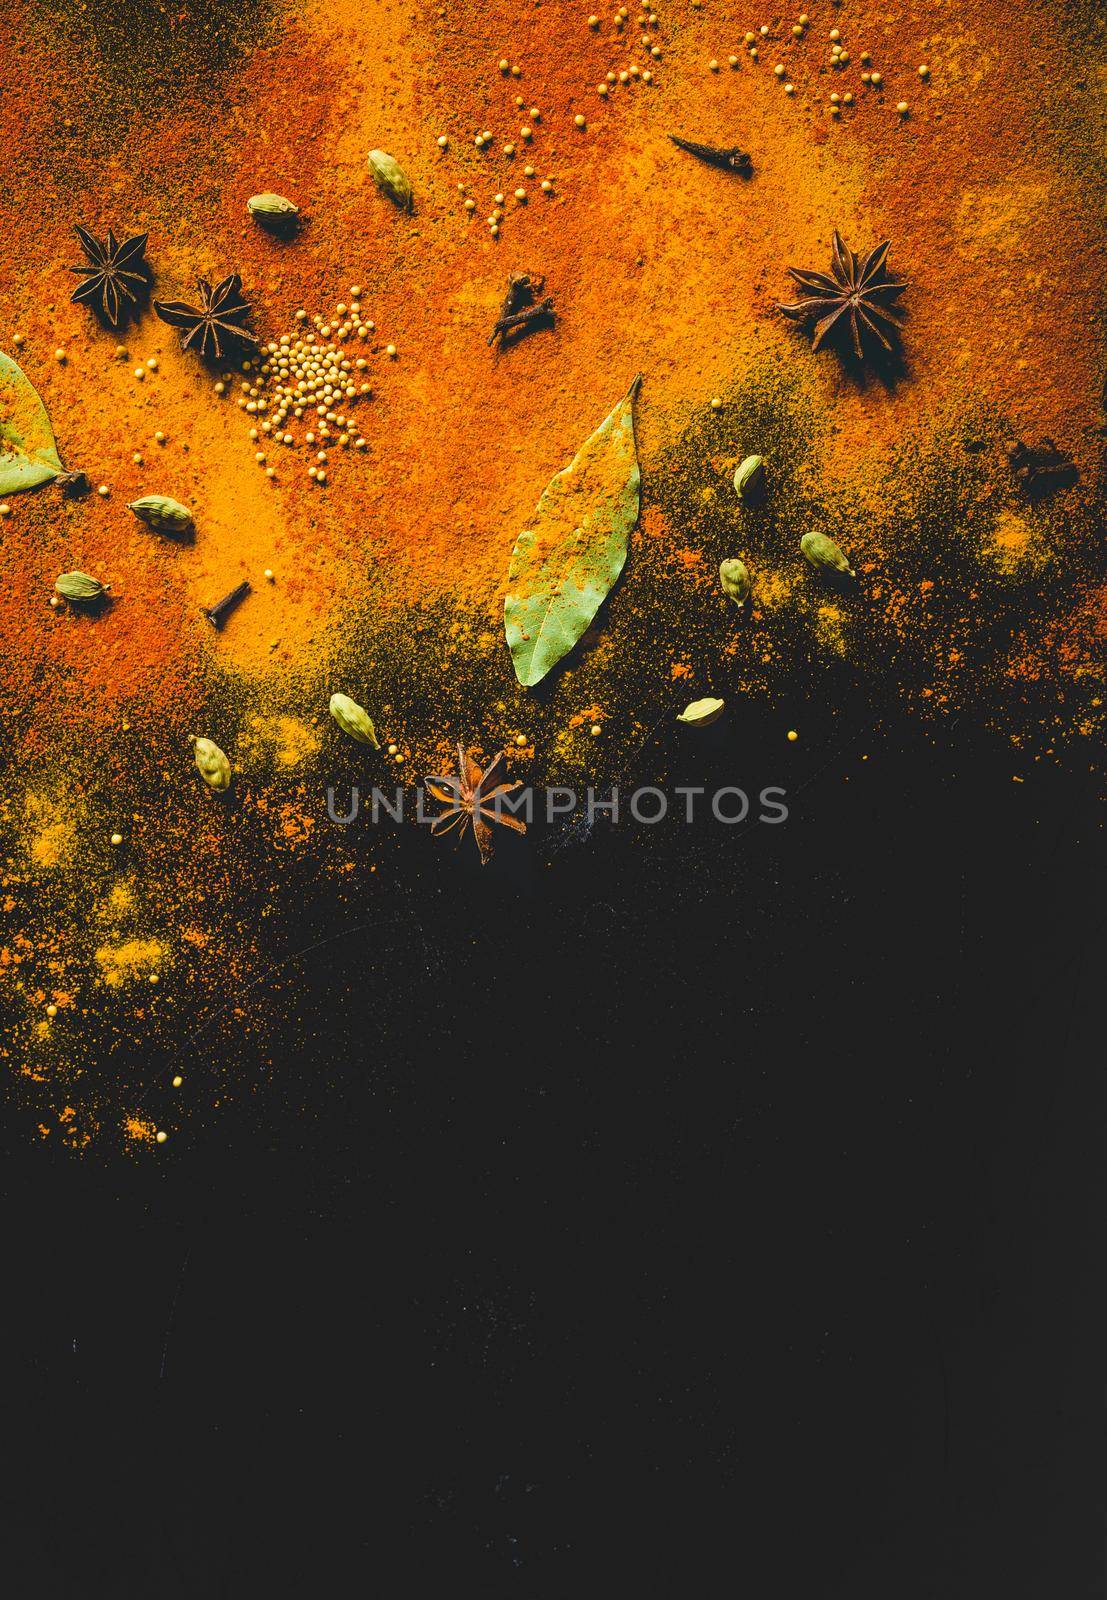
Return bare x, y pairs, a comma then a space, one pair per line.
353, 720
390, 177
157, 511
273, 211
735, 579
821, 551
702, 713
79, 589
211, 763
749, 480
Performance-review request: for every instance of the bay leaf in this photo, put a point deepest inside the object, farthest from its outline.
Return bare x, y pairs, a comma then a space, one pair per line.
28, 454
564, 565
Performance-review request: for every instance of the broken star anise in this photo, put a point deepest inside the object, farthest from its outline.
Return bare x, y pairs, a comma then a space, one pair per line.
73, 485
473, 797
222, 318
856, 294
1040, 468
116, 275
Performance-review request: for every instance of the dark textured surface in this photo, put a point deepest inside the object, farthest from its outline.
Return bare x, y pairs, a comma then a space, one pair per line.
708, 1215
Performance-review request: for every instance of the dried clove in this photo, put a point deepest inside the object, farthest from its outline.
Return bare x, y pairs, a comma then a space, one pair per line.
221, 610
543, 311
733, 159
521, 305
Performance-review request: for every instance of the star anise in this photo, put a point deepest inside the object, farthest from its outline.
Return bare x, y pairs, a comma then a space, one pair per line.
473, 797
116, 275
222, 318
856, 294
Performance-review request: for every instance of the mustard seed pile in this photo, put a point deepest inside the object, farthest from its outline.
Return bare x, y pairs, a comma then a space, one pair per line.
311, 375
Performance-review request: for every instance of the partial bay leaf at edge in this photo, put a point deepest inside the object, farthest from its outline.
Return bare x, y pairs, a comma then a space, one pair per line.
28, 454
564, 565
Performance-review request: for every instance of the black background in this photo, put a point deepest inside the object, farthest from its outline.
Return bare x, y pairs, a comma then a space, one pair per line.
713, 1208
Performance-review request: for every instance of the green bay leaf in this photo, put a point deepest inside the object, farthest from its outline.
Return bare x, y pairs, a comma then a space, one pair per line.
564, 565
28, 454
